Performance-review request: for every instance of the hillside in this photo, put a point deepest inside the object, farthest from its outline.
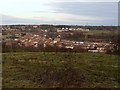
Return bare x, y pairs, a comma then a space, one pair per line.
43, 69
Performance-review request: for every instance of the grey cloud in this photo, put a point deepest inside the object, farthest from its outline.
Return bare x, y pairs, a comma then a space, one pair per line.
13, 20
102, 9
106, 11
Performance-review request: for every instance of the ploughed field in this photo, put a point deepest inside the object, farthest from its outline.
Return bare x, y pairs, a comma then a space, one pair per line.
51, 70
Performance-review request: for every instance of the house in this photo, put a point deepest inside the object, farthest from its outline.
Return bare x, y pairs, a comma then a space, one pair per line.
93, 51
11, 42
69, 47
35, 26
58, 39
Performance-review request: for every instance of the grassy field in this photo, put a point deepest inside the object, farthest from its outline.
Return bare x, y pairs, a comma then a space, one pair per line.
99, 31
0, 70
45, 70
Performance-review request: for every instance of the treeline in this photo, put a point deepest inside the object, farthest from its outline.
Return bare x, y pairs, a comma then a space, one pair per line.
116, 40
40, 48
45, 26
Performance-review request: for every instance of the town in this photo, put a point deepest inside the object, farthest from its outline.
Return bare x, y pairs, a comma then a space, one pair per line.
58, 38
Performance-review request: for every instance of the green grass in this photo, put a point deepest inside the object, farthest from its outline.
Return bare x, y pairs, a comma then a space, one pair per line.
99, 31
39, 69
1, 70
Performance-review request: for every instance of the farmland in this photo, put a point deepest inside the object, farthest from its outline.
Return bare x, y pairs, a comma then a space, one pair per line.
55, 69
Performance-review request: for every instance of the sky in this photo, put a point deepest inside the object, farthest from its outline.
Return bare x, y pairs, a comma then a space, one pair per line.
68, 12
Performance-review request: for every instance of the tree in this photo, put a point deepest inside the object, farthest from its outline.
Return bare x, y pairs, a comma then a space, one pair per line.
116, 41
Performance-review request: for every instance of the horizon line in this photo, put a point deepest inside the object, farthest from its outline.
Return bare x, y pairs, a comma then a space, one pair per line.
56, 24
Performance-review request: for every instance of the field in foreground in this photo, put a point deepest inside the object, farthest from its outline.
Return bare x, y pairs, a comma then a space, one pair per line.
78, 70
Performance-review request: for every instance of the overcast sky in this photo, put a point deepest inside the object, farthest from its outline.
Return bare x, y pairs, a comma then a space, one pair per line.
72, 12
